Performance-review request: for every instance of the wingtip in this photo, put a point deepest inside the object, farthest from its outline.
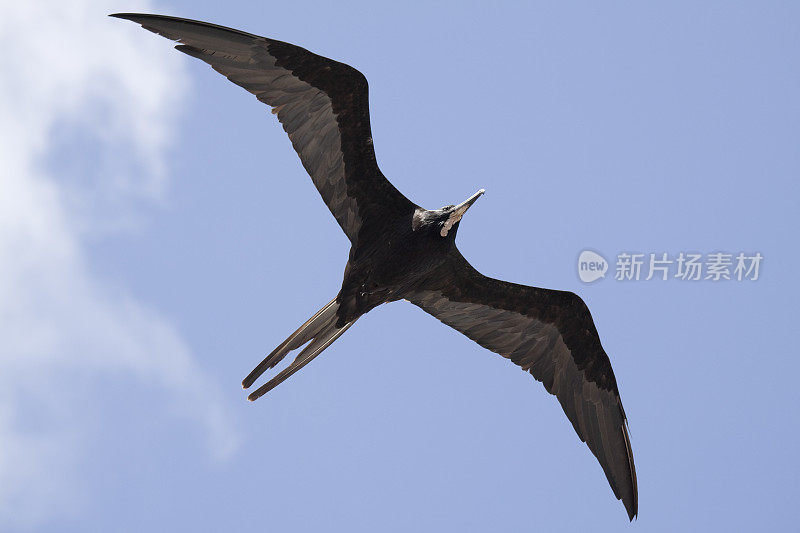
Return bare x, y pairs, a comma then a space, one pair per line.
126, 16
138, 18
633, 512
633, 509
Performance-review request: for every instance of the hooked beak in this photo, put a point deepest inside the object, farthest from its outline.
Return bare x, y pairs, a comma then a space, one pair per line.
466, 204
459, 211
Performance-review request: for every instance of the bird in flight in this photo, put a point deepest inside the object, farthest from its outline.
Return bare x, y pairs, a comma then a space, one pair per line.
400, 251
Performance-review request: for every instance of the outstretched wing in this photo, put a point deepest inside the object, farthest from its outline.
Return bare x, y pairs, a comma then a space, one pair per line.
322, 104
550, 334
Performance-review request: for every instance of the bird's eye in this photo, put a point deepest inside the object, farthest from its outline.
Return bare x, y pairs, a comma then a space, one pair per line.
448, 207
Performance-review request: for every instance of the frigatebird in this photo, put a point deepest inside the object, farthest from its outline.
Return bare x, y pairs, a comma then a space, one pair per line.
401, 251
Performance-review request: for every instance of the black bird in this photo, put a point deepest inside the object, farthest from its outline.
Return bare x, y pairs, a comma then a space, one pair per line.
401, 251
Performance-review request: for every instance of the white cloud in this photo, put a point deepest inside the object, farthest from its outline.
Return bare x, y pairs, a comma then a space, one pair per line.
67, 66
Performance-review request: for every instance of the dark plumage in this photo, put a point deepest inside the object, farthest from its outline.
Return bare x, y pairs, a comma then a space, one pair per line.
402, 251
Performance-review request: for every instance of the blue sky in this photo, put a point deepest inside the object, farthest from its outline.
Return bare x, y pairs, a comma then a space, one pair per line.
158, 236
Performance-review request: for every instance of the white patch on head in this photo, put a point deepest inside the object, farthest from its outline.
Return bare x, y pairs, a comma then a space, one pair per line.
454, 217
447, 226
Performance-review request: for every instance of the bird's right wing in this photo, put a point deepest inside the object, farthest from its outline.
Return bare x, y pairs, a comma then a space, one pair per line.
551, 335
322, 104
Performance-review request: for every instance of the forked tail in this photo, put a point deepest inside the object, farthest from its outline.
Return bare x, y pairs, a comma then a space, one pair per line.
320, 329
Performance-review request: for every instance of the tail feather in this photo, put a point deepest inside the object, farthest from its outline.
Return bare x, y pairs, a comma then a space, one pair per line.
320, 342
302, 335
320, 329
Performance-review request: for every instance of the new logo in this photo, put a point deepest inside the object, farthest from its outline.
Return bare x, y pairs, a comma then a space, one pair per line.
591, 266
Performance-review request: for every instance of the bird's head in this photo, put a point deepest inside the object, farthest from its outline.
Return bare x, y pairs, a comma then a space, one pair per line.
444, 221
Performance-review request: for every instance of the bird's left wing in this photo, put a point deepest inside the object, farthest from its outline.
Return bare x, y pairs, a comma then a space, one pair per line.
322, 104
551, 335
